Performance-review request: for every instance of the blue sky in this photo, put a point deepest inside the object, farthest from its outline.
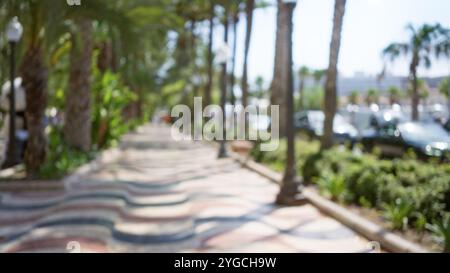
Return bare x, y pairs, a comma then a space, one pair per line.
369, 26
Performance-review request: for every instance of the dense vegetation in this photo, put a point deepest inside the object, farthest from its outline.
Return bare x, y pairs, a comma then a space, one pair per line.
409, 193
97, 70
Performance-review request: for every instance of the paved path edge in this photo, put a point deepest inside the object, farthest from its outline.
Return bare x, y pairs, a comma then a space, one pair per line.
388, 240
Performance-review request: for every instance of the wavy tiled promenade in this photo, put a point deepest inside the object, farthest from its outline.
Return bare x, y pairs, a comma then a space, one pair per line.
166, 196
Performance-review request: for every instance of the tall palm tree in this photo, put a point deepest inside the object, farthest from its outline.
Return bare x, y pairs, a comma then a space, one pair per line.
423, 90
280, 74
303, 73
249, 8
77, 126
330, 85
208, 88
423, 42
235, 21
38, 17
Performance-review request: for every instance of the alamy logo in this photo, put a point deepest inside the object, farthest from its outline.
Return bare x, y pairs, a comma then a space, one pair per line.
74, 2
73, 247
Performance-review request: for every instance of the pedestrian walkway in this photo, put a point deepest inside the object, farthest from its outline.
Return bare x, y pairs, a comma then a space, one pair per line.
166, 196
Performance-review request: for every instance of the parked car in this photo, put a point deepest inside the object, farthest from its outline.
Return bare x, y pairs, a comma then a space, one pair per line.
447, 126
427, 140
311, 123
383, 117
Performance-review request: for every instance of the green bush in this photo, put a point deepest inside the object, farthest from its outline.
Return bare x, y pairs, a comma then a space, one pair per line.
110, 97
61, 159
441, 232
408, 192
398, 213
275, 159
332, 186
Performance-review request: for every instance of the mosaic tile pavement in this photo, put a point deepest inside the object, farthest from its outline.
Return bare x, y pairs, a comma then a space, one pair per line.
166, 196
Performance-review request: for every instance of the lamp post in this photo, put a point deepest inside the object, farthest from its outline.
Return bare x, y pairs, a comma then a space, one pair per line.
13, 34
291, 187
222, 57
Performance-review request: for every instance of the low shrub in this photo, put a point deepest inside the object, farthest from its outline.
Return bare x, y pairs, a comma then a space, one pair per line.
61, 159
398, 213
275, 159
110, 97
408, 192
441, 231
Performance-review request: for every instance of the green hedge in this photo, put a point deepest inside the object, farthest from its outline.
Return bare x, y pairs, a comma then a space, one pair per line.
376, 183
409, 193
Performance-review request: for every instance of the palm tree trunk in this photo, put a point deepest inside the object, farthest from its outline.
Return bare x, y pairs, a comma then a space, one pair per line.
105, 56
77, 128
233, 65
280, 78
226, 37
250, 6
330, 85
35, 78
208, 88
415, 89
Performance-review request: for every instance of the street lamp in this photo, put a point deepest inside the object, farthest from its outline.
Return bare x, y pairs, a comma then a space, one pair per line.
222, 56
291, 187
13, 34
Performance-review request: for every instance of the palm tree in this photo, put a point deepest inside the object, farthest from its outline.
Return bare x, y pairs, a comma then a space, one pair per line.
424, 41
249, 7
38, 17
235, 21
318, 75
303, 73
330, 85
372, 97
77, 126
208, 88
354, 97
394, 95
280, 79
422, 90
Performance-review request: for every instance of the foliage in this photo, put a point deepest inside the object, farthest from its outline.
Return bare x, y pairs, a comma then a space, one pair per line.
441, 231
313, 98
395, 94
444, 89
398, 213
373, 96
424, 41
61, 159
409, 193
111, 96
275, 159
354, 97
332, 186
